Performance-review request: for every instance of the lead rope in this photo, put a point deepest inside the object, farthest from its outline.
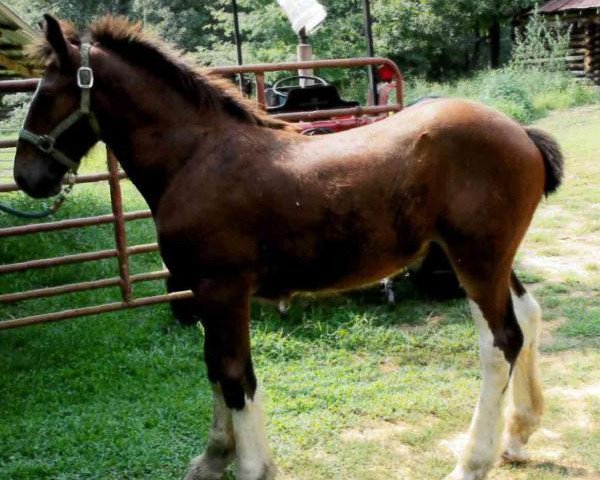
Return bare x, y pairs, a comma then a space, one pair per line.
56, 204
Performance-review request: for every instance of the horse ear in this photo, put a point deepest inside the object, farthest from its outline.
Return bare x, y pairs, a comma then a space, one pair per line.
57, 41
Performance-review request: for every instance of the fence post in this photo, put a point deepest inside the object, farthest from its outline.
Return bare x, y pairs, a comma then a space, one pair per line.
119, 226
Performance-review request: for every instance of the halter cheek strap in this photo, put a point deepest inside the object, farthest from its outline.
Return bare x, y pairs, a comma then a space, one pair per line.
46, 143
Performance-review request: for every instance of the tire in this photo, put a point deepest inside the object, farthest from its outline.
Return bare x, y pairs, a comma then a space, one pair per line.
435, 277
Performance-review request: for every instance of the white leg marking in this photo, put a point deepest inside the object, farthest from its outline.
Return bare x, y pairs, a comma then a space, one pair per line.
529, 316
527, 402
283, 306
388, 288
483, 447
253, 455
220, 448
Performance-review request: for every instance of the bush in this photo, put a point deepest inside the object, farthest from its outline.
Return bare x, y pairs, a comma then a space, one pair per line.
17, 106
524, 94
504, 90
542, 43
534, 82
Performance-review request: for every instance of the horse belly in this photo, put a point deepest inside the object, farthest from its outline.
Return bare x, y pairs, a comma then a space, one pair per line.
341, 267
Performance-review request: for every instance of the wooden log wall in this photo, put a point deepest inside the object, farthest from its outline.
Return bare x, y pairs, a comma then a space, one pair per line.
583, 59
593, 61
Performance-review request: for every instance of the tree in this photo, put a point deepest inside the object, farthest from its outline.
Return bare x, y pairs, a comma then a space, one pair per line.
78, 11
493, 16
438, 38
268, 37
434, 38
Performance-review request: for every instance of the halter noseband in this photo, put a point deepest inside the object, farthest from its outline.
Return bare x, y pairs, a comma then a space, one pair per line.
46, 143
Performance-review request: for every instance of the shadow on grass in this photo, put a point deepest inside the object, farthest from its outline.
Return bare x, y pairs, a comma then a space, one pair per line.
552, 467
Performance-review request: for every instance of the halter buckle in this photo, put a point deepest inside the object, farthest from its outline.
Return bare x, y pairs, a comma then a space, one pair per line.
45, 143
85, 77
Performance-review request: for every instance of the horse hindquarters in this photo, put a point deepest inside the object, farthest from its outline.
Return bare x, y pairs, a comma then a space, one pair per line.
238, 428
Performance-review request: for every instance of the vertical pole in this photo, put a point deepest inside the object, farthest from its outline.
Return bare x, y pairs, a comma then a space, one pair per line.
260, 89
370, 49
238, 40
304, 54
119, 226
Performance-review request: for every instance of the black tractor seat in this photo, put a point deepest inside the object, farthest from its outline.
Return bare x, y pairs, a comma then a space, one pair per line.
310, 98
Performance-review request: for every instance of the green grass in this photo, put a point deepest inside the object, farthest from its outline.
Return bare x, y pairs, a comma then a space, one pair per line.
355, 389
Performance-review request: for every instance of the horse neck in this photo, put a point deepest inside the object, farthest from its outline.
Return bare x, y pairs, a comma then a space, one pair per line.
152, 129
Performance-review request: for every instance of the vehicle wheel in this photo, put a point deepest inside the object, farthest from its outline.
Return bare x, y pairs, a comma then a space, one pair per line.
435, 276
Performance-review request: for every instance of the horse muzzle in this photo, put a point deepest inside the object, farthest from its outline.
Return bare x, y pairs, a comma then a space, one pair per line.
37, 184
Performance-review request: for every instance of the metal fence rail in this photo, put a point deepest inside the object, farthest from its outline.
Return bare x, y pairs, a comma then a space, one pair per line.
121, 252
118, 218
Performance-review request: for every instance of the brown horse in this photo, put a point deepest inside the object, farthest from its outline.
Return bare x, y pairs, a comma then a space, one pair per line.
245, 207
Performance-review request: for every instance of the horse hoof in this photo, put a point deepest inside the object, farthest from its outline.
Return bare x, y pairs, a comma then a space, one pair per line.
199, 474
461, 474
515, 451
205, 468
267, 472
515, 456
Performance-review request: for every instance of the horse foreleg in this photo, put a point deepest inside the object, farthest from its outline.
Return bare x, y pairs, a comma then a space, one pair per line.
253, 455
220, 448
238, 430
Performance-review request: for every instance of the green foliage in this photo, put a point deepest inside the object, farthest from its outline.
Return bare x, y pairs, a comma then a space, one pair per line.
542, 43
79, 11
524, 94
181, 22
18, 105
502, 89
438, 38
428, 38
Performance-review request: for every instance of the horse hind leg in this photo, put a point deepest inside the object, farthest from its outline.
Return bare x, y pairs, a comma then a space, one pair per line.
500, 340
527, 400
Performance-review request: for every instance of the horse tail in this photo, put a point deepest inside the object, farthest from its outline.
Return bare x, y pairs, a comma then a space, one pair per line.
553, 158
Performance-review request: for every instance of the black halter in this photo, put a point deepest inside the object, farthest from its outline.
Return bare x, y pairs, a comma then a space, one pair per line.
46, 143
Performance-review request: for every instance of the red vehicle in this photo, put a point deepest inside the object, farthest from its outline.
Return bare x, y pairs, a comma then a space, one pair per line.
298, 97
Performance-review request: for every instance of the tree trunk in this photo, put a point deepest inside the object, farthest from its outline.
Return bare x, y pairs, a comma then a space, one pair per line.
495, 37
479, 39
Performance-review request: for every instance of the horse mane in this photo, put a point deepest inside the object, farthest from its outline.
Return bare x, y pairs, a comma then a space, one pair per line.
143, 49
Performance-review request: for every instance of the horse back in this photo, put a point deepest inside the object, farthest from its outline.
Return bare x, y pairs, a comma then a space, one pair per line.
346, 209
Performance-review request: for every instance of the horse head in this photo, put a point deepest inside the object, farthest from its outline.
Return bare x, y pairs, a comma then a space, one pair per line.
60, 127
